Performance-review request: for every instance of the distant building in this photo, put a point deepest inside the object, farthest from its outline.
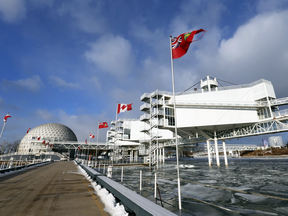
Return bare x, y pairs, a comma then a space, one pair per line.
40, 138
276, 141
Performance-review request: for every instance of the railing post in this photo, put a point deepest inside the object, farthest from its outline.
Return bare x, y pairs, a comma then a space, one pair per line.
122, 175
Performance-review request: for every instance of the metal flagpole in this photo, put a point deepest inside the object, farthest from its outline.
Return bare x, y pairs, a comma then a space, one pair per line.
115, 133
175, 119
97, 140
88, 150
2, 129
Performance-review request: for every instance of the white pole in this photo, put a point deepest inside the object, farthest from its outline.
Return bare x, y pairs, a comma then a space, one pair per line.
2, 129
216, 149
157, 158
97, 142
163, 155
88, 150
176, 135
115, 134
155, 185
140, 180
209, 152
122, 175
225, 153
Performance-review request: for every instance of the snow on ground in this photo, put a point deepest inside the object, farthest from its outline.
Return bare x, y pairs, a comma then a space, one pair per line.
113, 208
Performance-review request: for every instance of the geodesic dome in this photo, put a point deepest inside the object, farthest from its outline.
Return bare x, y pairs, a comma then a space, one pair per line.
51, 132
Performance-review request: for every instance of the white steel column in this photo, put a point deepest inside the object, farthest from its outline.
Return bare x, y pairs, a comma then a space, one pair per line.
163, 155
154, 156
209, 152
216, 149
157, 157
225, 153
131, 156
136, 156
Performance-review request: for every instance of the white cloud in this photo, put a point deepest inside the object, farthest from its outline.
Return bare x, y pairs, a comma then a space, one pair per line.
258, 49
62, 83
12, 11
112, 54
86, 14
32, 84
96, 82
45, 114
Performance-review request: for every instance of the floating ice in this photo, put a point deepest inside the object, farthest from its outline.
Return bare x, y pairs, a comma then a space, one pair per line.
275, 187
252, 198
283, 210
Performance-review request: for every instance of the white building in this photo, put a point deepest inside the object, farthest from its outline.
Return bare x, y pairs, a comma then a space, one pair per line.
276, 141
40, 138
209, 114
130, 136
215, 113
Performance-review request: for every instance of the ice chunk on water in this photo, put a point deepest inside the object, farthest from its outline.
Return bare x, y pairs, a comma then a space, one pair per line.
205, 193
207, 181
283, 210
275, 187
252, 198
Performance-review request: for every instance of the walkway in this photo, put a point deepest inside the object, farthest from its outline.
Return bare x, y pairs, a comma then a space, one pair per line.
53, 189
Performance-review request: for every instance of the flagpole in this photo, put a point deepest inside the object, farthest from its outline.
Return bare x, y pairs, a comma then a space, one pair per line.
115, 133
2, 129
97, 140
88, 150
175, 119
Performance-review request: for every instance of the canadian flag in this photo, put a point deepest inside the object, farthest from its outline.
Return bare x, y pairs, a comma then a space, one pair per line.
79, 147
28, 130
124, 108
92, 136
43, 141
7, 116
38, 137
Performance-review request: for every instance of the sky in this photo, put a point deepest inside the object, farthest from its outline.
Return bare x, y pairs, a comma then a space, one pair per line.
71, 61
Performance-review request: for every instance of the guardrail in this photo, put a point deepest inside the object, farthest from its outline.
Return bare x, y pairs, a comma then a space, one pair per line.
131, 200
21, 167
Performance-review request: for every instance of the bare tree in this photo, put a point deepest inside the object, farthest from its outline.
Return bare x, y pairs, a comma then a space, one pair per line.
8, 147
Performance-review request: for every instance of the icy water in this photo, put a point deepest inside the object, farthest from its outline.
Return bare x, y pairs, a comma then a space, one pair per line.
236, 186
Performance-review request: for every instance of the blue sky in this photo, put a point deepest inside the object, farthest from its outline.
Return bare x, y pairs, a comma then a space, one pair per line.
71, 61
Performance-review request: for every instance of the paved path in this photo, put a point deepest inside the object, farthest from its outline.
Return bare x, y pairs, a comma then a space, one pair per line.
53, 189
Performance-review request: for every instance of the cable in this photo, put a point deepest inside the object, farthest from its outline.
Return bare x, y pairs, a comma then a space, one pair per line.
189, 88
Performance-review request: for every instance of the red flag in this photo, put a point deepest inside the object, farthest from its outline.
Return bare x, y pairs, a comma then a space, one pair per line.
47, 143
181, 43
103, 125
7, 116
91, 136
43, 142
124, 108
38, 137
79, 147
86, 141
28, 130
51, 146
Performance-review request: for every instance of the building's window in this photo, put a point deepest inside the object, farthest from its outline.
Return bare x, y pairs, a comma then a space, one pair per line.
127, 133
169, 116
264, 113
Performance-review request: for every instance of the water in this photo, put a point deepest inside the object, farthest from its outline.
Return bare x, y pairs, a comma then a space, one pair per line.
261, 176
